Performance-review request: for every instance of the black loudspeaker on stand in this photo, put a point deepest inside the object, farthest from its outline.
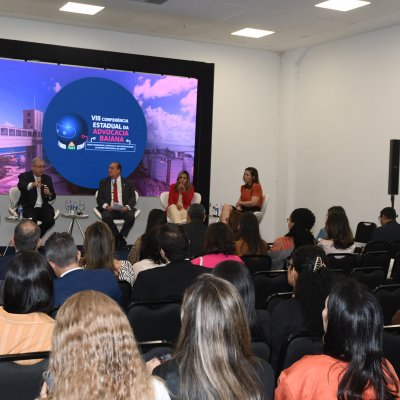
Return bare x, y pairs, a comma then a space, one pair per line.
394, 159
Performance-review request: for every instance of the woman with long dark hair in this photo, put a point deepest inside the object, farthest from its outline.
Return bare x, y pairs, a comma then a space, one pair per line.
352, 366
331, 210
213, 358
179, 198
340, 238
249, 241
300, 223
251, 195
311, 282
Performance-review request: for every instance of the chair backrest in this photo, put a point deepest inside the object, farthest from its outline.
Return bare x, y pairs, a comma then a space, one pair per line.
275, 299
14, 194
343, 261
388, 297
369, 276
157, 320
391, 346
376, 245
394, 248
22, 381
376, 259
267, 283
297, 346
196, 199
364, 232
396, 268
164, 200
126, 291
260, 214
261, 350
256, 263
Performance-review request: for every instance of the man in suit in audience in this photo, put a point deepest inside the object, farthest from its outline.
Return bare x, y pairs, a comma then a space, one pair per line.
390, 229
116, 199
36, 192
169, 281
26, 238
63, 256
195, 229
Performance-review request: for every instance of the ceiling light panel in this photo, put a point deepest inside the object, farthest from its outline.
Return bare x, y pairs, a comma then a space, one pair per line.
342, 5
80, 8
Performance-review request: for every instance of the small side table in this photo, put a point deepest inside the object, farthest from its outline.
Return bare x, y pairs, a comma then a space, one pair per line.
212, 219
75, 218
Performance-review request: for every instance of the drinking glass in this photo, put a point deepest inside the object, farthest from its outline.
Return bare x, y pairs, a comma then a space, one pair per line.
81, 206
68, 204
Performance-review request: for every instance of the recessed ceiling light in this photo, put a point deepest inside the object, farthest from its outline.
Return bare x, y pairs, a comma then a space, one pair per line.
343, 5
253, 33
81, 8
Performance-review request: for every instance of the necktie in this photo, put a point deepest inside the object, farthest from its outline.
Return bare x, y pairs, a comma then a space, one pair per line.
115, 192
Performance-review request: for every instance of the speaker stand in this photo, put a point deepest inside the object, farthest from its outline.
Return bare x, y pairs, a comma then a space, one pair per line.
392, 200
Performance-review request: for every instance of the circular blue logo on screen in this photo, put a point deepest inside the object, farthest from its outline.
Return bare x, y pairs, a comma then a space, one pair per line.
90, 123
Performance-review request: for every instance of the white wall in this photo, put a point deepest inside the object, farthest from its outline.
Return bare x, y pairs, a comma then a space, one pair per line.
347, 110
246, 106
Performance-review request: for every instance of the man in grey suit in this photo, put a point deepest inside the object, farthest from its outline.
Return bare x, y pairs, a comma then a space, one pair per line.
116, 199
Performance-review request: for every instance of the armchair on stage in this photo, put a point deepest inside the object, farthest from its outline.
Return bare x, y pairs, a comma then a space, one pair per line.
164, 200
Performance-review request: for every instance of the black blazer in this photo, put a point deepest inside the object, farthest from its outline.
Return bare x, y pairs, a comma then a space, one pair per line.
196, 232
28, 197
104, 193
389, 231
167, 282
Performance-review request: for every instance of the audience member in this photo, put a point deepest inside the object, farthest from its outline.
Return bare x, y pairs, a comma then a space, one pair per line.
300, 223
352, 366
340, 238
332, 210
390, 229
170, 281
63, 256
249, 240
95, 355
179, 198
26, 238
156, 218
99, 246
219, 246
251, 195
213, 358
28, 296
239, 275
311, 282
195, 229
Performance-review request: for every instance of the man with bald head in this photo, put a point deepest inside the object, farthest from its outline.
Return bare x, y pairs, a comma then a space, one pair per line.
36, 192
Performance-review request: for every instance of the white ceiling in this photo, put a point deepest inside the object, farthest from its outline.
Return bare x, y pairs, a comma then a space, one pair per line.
297, 23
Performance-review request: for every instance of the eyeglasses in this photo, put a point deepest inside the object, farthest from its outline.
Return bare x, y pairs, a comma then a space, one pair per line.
288, 220
380, 217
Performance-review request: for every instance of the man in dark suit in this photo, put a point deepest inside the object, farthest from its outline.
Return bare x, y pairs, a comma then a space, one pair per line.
26, 238
63, 256
195, 229
170, 281
390, 229
116, 199
36, 191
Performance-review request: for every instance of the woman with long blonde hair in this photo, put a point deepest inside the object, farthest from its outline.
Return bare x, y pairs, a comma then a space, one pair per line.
95, 355
213, 358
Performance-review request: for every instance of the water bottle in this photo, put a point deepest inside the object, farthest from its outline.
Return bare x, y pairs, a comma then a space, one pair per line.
20, 212
217, 210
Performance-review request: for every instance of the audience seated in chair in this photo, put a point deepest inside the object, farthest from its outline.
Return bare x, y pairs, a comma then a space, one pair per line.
99, 247
26, 238
390, 228
170, 281
311, 282
195, 229
213, 357
95, 355
63, 256
219, 246
352, 366
28, 297
322, 234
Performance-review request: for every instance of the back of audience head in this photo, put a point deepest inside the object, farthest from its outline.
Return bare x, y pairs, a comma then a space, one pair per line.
28, 284
149, 246
239, 276
300, 222
196, 212
338, 229
387, 214
156, 218
336, 210
99, 246
311, 281
26, 236
213, 348
249, 232
60, 250
94, 353
353, 324
173, 242
219, 239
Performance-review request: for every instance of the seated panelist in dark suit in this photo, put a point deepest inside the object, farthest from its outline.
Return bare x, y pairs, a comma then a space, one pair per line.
390, 229
116, 199
63, 256
170, 281
36, 192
